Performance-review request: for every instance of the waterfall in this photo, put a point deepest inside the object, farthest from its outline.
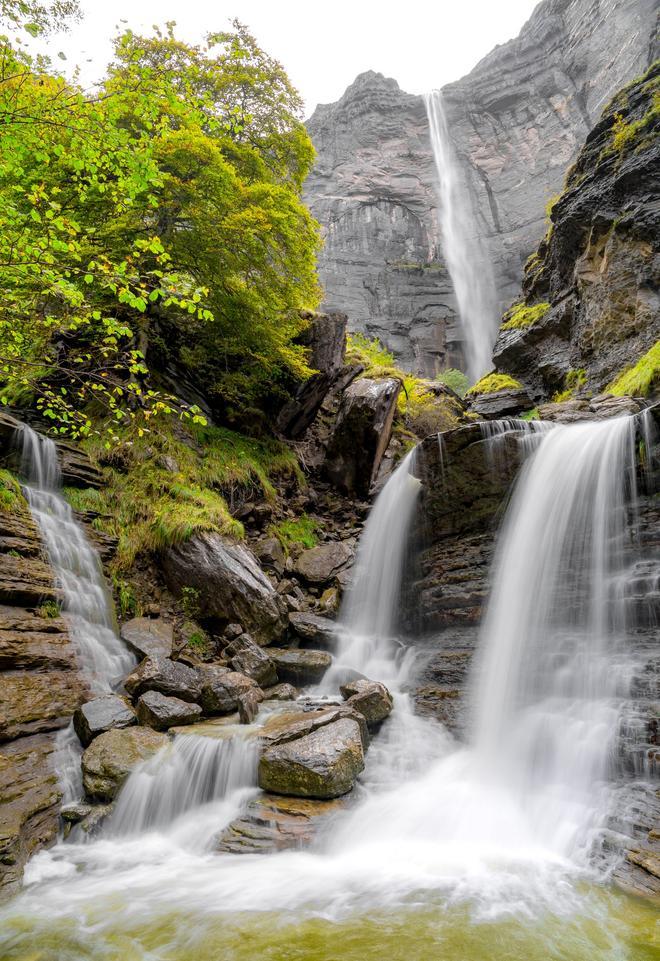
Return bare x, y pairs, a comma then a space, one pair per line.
468, 264
85, 602
554, 670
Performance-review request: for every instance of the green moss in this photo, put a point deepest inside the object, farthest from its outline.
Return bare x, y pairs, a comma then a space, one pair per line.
301, 530
573, 381
532, 414
371, 354
491, 383
629, 134
638, 381
520, 316
11, 496
455, 379
164, 487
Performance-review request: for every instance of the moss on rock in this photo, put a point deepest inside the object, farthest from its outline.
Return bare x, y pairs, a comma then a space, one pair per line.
492, 383
639, 380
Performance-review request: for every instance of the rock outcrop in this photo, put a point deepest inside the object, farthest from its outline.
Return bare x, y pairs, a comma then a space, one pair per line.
517, 121
111, 757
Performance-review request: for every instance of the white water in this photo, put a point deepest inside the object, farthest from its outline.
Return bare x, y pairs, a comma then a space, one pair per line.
467, 262
85, 602
504, 825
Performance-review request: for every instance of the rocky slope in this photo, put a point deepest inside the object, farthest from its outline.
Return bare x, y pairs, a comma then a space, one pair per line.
517, 121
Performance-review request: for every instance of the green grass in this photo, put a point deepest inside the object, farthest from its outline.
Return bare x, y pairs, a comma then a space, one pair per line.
491, 383
532, 414
11, 496
455, 379
301, 530
49, 609
377, 360
166, 486
638, 381
520, 316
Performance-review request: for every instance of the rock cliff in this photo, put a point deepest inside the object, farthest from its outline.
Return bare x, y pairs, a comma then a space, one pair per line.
517, 122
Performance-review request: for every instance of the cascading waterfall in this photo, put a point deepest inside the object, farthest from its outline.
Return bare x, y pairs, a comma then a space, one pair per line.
85, 602
467, 262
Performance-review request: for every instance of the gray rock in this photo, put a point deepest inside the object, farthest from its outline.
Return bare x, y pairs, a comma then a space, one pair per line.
168, 677
102, 714
221, 690
248, 706
281, 692
500, 404
369, 698
148, 636
320, 564
111, 757
300, 666
361, 434
271, 554
313, 627
248, 658
230, 584
322, 764
160, 712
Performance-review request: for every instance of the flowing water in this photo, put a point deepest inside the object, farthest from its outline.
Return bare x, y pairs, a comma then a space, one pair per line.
467, 262
463, 852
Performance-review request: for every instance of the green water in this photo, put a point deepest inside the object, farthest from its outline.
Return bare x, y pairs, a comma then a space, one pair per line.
616, 928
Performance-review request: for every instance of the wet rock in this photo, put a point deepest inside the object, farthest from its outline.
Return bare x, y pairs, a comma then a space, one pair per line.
361, 434
281, 692
246, 657
102, 714
221, 690
168, 677
89, 817
274, 823
369, 698
322, 764
500, 404
229, 583
160, 712
300, 666
111, 757
320, 564
232, 631
248, 706
148, 637
313, 628
270, 554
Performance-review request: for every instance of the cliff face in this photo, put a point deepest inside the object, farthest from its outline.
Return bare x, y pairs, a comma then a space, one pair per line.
593, 282
517, 122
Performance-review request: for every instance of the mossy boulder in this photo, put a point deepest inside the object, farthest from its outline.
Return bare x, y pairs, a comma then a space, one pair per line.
110, 758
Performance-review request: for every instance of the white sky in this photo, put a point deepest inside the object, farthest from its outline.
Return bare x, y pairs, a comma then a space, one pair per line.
323, 44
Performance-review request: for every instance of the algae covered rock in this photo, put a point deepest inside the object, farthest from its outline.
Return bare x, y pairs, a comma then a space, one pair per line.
111, 757
322, 764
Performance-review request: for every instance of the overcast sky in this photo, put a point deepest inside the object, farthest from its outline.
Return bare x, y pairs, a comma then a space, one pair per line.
323, 44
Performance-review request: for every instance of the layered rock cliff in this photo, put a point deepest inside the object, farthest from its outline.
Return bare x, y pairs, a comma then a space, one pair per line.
517, 122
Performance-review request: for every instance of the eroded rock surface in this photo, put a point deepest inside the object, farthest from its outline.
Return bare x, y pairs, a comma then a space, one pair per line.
111, 757
102, 714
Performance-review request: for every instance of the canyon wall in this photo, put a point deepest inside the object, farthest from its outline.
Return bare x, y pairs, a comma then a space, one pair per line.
517, 121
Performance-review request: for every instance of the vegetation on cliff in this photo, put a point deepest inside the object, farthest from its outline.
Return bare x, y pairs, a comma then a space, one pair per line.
520, 315
639, 379
493, 382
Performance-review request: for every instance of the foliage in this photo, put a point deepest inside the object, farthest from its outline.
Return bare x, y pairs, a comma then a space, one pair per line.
493, 382
190, 601
370, 353
455, 379
301, 530
521, 316
127, 602
160, 218
638, 381
49, 609
532, 414
574, 380
11, 498
38, 18
197, 639
164, 487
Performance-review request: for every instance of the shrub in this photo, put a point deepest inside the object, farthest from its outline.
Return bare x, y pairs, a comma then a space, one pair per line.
455, 379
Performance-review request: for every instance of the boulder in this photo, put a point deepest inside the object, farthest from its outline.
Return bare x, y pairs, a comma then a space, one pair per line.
104, 713
169, 677
312, 627
221, 690
369, 698
322, 764
325, 338
300, 666
281, 692
230, 585
361, 434
320, 564
246, 657
160, 712
500, 404
271, 554
148, 636
248, 706
272, 822
111, 757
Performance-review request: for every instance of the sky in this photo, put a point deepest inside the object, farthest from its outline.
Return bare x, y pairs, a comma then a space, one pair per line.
323, 44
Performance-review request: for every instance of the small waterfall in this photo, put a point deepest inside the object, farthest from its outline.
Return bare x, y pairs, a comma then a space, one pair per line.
183, 777
85, 602
554, 670
468, 264
368, 619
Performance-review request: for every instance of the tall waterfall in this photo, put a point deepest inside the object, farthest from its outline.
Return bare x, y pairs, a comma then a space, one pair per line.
467, 261
85, 602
